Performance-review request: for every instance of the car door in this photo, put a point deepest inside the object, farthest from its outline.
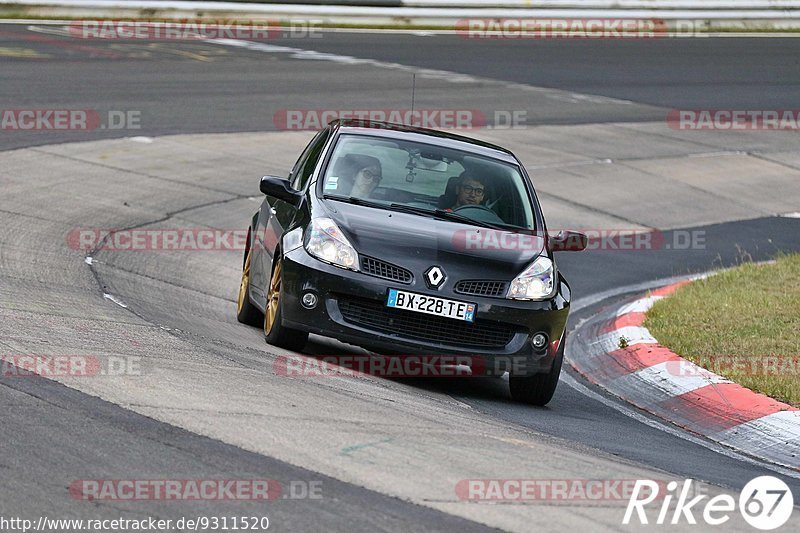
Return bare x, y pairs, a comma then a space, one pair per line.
276, 215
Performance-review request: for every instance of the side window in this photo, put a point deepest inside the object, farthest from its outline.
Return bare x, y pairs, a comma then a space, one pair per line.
308, 160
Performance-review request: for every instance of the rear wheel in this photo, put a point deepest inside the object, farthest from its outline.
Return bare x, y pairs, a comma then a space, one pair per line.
538, 389
246, 312
275, 333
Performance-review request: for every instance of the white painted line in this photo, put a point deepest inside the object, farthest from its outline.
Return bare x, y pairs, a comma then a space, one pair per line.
642, 305
571, 164
723, 153
143, 140
51, 30
669, 377
588, 301
582, 303
434, 74
114, 299
299, 53
792, 215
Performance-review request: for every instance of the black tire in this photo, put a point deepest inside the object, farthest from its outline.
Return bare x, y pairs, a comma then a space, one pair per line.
274, 332
538, 389
246, 312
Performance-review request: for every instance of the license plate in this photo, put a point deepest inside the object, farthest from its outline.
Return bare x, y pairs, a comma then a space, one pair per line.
432, 305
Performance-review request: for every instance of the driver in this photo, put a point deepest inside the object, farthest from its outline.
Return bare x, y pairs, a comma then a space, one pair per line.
471, 190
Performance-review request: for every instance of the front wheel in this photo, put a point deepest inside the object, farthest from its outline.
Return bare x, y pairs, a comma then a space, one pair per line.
275, 333
538, 389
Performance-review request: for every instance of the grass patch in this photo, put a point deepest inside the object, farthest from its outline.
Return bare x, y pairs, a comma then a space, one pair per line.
743, 324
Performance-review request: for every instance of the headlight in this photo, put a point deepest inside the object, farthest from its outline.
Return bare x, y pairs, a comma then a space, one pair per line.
537, 282
325, 241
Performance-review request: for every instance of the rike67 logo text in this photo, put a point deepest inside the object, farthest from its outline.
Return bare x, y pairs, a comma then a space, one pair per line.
766, 503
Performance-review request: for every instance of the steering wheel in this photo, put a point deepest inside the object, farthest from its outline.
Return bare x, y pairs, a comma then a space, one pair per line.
479, 212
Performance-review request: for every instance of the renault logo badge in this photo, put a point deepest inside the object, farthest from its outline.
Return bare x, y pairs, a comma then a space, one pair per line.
434, 277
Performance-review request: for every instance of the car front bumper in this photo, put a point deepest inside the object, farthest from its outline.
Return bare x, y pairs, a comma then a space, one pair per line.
351, 307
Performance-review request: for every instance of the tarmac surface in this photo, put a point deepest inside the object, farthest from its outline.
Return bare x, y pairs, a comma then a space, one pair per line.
208, 402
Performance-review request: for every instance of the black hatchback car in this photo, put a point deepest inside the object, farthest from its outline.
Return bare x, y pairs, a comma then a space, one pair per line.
410, 241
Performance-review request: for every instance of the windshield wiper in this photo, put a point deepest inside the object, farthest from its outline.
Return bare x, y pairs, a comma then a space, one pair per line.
444, 215
354, 200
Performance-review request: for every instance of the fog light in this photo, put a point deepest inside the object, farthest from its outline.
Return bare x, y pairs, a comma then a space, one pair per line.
539, 341
309, 300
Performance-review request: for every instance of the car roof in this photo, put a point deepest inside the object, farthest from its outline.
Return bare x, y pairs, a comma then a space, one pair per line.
412, 133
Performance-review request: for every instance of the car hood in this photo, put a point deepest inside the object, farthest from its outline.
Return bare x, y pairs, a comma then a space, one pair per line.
418, 242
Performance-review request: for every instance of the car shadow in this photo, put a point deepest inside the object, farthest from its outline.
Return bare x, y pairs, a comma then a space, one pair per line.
493, 389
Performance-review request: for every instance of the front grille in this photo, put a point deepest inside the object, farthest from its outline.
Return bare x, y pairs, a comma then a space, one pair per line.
381, 269
482, 288
376, 316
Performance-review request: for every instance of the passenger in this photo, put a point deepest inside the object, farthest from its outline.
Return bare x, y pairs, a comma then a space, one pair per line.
367, 176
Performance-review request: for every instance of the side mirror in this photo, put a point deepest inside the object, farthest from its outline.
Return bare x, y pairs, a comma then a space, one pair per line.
568, 241
281, 189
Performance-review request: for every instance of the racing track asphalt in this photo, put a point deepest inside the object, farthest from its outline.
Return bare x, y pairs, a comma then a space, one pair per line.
230, 89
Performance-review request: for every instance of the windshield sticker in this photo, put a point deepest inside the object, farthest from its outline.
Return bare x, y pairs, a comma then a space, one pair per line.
332, 183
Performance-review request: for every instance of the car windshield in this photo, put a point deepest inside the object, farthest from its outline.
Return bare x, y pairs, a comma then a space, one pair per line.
424, 178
